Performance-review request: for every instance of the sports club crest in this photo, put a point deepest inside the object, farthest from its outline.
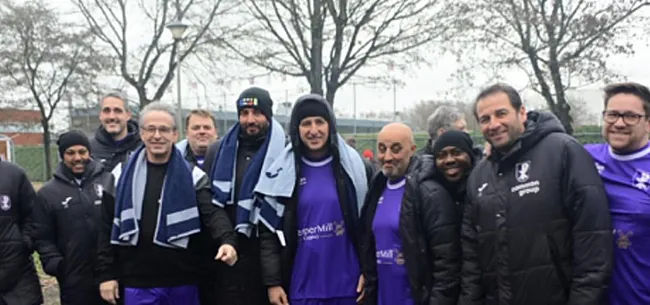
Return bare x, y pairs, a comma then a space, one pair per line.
5, 203
99, 189
521, 171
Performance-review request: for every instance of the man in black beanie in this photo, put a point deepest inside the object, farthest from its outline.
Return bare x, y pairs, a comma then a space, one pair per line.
66, 214
455, 158
235, 162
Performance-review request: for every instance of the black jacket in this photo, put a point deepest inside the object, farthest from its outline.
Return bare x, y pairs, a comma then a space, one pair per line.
162, 266
536, 227
67, 216
103, 149
241, 283
429, 227
19, 283
277, 261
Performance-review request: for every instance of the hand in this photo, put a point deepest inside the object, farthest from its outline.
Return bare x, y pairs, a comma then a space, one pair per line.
227, 254
110, 291
360, 290
277, 296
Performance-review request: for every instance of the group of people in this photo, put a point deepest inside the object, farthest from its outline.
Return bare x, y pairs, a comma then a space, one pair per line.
263, 217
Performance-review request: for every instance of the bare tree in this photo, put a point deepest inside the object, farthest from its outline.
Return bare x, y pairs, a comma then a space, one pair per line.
45, 60
329, 41
560, 44
580, 113
153, 63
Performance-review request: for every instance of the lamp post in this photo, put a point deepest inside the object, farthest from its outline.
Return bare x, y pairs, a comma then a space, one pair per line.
177, 28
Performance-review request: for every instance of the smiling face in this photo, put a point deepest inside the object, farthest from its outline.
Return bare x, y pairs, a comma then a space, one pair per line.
75, 158
253, 122
314, 133
626, 126
395, 148
501, 124
201, 132
453, 163
159, 134
114, 117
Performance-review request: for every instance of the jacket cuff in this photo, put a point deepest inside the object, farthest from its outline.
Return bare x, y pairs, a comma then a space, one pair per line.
105, 278
229, 238
53, 266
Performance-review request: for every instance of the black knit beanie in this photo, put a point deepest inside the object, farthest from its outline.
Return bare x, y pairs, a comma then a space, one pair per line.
454, 138
72, 138
256, 97
309, 108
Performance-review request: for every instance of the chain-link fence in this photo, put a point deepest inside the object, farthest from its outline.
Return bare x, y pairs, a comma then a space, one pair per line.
32, 159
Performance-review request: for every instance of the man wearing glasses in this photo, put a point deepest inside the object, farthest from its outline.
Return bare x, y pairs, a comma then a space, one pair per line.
152, 209
624, 165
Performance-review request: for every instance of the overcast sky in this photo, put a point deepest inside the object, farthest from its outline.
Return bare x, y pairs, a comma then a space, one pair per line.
431, 82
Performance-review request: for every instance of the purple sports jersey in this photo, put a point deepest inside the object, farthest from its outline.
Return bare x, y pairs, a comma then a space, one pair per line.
326, 269
393, 282
627, 182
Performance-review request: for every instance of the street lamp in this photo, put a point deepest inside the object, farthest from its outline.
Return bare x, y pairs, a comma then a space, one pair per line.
177, 28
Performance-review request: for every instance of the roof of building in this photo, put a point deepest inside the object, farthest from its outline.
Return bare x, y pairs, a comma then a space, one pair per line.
13, 115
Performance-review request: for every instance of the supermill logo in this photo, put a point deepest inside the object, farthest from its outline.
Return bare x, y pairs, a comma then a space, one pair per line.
326, 230
390, 257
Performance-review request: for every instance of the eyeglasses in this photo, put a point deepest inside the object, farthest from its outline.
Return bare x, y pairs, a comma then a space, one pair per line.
163, 130
629, 118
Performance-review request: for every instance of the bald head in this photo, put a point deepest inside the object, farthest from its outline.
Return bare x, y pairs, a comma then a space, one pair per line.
395, 147
396, 132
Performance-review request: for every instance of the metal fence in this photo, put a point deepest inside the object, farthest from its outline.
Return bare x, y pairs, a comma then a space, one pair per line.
32, 159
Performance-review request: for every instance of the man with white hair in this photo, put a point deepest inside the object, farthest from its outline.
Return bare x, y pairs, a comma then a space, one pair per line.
152, 209
442, 119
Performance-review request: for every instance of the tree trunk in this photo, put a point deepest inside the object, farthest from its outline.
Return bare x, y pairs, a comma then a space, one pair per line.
142, 97
47, 153
316, 64
331, 93
563, 112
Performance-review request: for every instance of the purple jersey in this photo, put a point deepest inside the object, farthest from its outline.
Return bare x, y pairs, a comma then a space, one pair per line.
393, 282
326, 267
627, 182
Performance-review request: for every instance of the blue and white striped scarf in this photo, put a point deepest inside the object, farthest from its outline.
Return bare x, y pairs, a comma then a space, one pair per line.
224, 174
178, 215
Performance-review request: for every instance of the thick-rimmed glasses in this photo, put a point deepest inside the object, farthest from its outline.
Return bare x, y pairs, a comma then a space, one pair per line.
629, 118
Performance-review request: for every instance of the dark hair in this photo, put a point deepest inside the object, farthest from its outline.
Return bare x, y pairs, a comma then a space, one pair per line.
635, 89
200, 113
513, 95
120, 95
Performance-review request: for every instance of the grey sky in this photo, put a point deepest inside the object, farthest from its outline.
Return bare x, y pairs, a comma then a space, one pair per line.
420, 84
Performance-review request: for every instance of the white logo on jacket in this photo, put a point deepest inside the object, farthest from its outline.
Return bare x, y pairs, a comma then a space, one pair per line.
99, 189
5, 202
65, 202
480, 189
521, 171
